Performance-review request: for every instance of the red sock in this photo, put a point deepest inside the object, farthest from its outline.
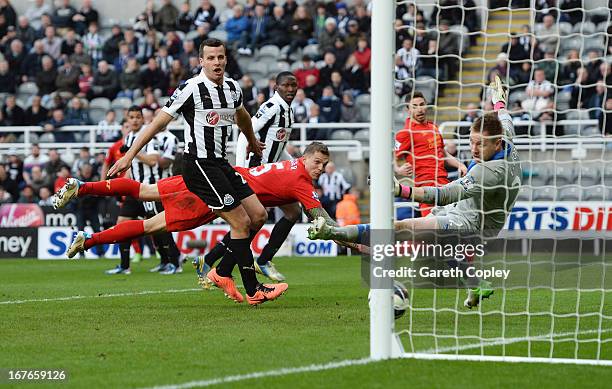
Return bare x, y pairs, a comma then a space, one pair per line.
114, 187
136, 246
127, 230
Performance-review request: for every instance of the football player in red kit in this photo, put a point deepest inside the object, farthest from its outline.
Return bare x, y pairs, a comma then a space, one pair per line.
419, 149
275, 184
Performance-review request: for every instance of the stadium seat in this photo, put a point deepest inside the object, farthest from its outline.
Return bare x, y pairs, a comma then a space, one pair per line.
565, 28
139, 101
535, 174
364, 113
363, 136
261, 84
348, 175
121, 103
563, 174
544, 194
363, 99
26, 90
311, 50
570, 193
34, 138
585, 28
586, 175
218, 34
517, 96
101, 103
47, 137
525, 194
341, 135
268, 51
571, 43
596, 42
96, 114
607, 173
576, 114
602, 27
591, 131
596, 193
257, 70
295, 66
191, 35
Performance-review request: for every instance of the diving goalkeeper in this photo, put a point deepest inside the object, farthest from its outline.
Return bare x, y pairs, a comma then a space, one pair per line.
478, 202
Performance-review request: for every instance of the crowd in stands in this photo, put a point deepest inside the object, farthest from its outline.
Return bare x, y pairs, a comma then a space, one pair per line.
65, 54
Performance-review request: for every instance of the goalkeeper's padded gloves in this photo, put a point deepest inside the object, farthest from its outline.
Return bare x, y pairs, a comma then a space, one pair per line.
499, 96
397, 188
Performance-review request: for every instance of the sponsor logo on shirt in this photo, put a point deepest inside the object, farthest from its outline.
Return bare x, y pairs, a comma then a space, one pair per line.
281, 134
315, 195
212, 118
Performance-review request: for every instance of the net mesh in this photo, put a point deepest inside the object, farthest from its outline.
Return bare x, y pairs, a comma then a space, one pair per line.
555, 61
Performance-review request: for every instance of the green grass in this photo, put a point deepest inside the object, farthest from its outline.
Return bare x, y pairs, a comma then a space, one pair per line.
172, 338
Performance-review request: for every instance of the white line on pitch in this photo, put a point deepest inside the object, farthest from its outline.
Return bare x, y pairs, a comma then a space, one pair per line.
502, 342
269, 373
68, 298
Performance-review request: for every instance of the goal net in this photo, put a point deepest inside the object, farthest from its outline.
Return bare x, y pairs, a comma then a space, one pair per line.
555, 58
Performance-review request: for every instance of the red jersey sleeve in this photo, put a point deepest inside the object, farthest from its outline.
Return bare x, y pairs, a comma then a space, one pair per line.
403, 143
306, 194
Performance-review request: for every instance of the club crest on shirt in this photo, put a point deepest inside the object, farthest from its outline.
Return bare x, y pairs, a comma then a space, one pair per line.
315, 195
212, 118
234, 95
281, 134
228, 199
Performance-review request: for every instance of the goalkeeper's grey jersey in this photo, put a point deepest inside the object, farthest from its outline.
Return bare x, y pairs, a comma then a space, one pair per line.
484, 197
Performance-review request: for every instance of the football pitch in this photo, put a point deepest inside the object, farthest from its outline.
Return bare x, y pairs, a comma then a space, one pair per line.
146, 330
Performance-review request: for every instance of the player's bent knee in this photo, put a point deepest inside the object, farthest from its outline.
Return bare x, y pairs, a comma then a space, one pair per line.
155, 224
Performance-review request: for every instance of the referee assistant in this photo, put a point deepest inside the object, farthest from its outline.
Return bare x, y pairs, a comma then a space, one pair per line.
210, 104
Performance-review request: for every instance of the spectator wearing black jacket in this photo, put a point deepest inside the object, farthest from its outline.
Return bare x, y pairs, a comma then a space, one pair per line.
205, 13
84, 17
8, 80
152, 77
68, 78
354, 75
278, 28
12, 113
9, 185
25, 32
36, 114
110, 50
184, 21
329, 105
515, 51
328, 68
105, 83
45, 79
32, 64
62, 17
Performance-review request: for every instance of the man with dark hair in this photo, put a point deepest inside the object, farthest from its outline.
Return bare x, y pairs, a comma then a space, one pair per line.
210, 104
419, 149
479, 202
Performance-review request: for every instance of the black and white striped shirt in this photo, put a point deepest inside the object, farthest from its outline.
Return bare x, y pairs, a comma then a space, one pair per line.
333, 185
272, 124
209, 112
139, 170
168, 146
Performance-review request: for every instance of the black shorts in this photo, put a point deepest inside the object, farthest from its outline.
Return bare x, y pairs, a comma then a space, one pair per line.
216, 182
134, 209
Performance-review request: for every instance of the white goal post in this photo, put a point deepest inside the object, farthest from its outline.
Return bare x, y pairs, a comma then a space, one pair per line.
552, 324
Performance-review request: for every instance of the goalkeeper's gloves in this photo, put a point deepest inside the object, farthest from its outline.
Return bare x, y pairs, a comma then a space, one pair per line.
499, 96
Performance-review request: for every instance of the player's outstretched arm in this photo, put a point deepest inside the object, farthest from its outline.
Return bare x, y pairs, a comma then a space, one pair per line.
499, 98
157, 125
243, 120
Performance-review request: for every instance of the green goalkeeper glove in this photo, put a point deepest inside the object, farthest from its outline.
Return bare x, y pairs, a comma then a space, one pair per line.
499, 96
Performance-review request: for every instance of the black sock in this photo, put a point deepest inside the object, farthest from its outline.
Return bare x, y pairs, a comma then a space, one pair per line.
226, 266
218, 251
280, 232
240, 249
164, 243
124, 251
